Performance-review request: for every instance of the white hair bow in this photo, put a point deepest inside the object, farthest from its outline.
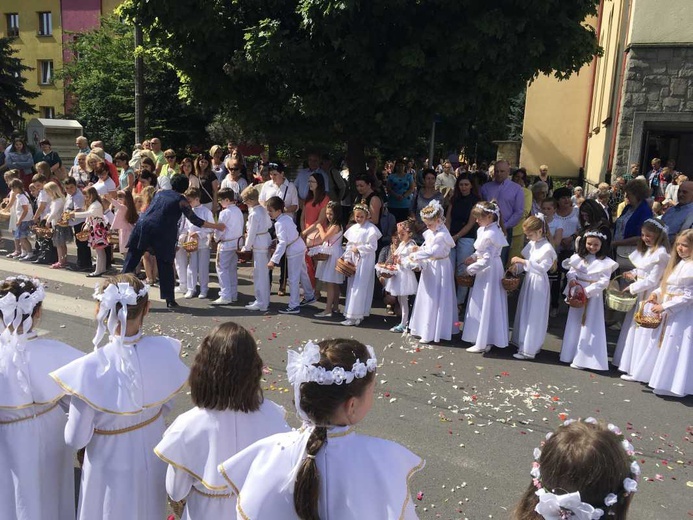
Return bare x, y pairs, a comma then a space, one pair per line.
541, 217
568, 506
299, 368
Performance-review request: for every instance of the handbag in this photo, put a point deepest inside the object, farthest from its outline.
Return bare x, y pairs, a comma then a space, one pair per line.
622, 257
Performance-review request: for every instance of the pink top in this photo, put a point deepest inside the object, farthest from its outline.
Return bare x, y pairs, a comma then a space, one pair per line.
119, 222
311, 212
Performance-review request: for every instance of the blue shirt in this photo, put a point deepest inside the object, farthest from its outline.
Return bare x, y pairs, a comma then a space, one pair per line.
675, 217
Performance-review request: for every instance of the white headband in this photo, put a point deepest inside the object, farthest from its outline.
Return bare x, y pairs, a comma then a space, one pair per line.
595, 234
658, 224
570, 505
109, 319
300, 368
436, 206
13, 309
493, 210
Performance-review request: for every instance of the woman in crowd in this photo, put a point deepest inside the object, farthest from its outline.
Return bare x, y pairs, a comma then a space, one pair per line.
423, 198
314, 213
79, 171
628, 226
19, 158
187, 168
369, 198
209, 184
400, 187
540, 190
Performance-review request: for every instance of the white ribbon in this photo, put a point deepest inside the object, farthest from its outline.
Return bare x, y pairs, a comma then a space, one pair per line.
435, 204
568, 506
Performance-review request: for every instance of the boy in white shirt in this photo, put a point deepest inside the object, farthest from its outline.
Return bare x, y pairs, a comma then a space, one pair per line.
289, 242
258, 241
198, 262
25, 214
227, 256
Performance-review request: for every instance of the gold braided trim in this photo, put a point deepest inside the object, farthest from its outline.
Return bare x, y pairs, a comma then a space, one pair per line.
129, 428
189, 472
211, 495
34, 416
408, 497
24, 406
235, 491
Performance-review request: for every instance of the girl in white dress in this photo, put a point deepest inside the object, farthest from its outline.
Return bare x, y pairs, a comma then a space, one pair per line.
331, 237
532, 316
486, 318
435, 306
325, 469
36, 473
230, 414
403, 284
120, 395
362, 240
584, 339
672, 374
650, 260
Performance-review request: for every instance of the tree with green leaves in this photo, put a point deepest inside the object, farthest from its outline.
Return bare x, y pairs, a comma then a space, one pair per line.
365, 73
13, 95
101, 81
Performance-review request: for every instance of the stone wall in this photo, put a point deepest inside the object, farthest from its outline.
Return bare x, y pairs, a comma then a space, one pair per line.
658, 80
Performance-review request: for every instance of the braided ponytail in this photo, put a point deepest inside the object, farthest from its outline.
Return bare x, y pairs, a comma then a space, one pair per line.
307, 487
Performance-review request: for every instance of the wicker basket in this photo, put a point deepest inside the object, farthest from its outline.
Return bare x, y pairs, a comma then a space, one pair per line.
386, 271
649, 320
190, 246
43, 232
83, 235
510, 282
114, 239
244, 256
619, 300
464, 280
320, 257
576, 297
345, 268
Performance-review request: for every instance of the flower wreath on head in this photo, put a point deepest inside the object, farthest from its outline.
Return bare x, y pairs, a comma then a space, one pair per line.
570, 505
362, 207
596, 234
658, 224
494, 209
434, 209
301, 368
14, 309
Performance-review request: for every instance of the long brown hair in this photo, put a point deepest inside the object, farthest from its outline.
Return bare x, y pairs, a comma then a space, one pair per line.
584, 457
130, 209
320, 402
227, 371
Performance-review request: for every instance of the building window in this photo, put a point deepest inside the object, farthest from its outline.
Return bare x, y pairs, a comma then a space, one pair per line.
45, 24
12, 25
45, 72
48, 112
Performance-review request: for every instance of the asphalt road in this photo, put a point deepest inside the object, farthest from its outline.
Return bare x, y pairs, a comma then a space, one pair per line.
474, 418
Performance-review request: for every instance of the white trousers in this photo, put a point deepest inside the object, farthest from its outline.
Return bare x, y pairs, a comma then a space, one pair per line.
261, 279
227, 272
198, 270
297, 274
182, 269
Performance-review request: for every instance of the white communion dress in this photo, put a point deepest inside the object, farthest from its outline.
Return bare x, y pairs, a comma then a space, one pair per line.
532, 317
201, 439
403, 283
673, 370
37, 467
359, 294
325, 271
435, 307
486, 318
120, 395
584, 339
361, 477
632, 341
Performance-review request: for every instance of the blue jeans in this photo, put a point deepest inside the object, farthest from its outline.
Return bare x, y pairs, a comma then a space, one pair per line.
464, 248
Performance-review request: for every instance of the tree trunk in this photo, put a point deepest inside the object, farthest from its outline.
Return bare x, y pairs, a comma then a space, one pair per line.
356, 160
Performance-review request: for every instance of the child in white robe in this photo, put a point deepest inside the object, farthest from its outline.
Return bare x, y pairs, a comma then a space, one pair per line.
403, 284
585, 470
120, 395
227, 250
435, 307
362, 242
486, 316
331, 237
36, 473
326, 469
230, 414
532, 315
258, 241
198, 261
672, 374
584, 339
289, 242
181, 259
650, 260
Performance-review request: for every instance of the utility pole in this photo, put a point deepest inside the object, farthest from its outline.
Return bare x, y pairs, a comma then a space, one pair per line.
139, 85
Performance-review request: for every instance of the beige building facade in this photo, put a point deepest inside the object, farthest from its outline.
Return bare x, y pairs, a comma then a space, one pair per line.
631, 104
